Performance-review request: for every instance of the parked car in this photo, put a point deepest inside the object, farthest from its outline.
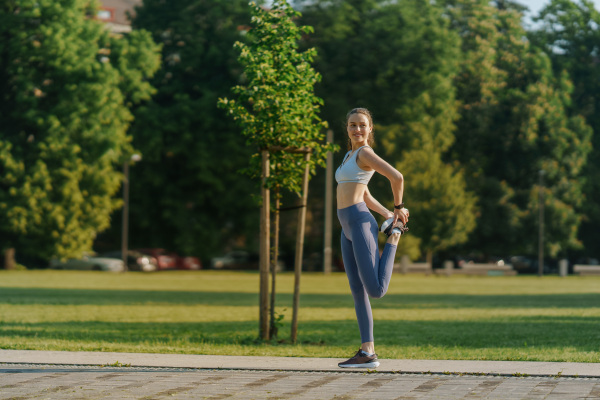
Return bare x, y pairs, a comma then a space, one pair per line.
91, 263
189, 262
240, 259
170, 260
529, 265
136, 261
234, 260
587, 261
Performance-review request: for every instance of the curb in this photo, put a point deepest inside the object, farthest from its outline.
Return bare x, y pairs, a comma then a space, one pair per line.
523, 369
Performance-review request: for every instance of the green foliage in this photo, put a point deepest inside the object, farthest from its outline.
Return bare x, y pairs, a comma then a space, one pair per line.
513, 124
568, 31
391, 57
276, 107
63, 123
185, 194
441, 206
135, 57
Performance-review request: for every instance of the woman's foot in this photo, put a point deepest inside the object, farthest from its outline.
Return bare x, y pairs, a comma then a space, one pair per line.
393, 232
389, 230
361, 360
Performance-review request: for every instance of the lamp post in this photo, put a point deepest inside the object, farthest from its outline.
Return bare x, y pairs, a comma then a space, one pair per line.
541, 231
125, 226
328, 206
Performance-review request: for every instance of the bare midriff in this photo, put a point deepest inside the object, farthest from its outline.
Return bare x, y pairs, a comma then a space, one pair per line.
350, 193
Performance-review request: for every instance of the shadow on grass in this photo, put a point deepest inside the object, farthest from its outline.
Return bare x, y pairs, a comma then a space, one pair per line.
44, 296
579, 333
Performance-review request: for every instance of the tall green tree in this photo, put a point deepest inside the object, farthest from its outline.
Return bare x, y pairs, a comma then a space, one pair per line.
445, 210
513, 124
187, 194
568, 31
64, 84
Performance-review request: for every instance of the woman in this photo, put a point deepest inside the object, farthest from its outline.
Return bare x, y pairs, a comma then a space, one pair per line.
368, 273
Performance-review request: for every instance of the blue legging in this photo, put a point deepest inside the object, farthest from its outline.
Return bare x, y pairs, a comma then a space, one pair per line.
368, 274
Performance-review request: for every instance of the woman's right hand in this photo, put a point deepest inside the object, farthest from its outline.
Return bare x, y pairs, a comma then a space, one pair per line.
401, 215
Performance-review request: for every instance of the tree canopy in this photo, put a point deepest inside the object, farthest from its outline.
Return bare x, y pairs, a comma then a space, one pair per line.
186, 194
276, 106
513, 124
569, 33
467, 103
65, 83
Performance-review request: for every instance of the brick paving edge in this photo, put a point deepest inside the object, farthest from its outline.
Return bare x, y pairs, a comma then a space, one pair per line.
340, 371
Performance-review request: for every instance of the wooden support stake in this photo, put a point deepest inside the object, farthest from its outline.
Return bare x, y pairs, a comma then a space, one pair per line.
264, 254
274, 257
300, 248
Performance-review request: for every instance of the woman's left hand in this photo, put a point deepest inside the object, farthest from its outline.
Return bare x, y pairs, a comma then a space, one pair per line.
401, 215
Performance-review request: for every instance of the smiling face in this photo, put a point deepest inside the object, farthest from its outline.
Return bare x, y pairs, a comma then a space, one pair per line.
359, 130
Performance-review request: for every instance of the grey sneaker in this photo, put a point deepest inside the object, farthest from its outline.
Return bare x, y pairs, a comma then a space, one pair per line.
360, 360
388, 229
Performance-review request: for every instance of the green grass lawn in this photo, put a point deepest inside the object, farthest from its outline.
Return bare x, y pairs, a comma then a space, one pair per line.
214, 312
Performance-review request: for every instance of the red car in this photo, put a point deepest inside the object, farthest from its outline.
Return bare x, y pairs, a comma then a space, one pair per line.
170, 260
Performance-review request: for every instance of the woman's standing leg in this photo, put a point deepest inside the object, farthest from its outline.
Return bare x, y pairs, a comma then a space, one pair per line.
362, 305
365, 357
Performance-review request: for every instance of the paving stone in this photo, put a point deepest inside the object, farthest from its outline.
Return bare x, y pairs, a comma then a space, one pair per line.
24, 382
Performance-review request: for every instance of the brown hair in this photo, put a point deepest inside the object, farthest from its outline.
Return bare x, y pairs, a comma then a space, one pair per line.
366, 113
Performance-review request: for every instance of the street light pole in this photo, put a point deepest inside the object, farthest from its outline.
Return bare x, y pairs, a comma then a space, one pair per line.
125, 225
541, 220
327, 258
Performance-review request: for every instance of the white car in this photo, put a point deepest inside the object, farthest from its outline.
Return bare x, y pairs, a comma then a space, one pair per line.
90, 263
233, 259
239, 259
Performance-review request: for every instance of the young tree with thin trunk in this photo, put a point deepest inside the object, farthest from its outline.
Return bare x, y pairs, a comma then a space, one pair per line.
278, 112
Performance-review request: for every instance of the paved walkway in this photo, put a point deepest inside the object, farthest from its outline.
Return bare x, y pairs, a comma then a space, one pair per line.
97, 375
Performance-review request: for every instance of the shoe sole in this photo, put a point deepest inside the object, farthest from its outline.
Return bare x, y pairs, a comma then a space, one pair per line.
364, 365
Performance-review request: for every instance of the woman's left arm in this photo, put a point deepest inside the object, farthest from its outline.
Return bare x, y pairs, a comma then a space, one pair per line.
376, 206
369, 159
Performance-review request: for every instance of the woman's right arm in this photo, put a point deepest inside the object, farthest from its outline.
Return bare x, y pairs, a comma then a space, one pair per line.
370, 159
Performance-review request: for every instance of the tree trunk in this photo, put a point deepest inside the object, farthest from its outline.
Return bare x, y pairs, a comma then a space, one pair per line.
300, 248
265, 230
9, 258
429, 258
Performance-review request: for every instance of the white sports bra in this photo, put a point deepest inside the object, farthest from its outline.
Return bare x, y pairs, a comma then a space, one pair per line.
349, 171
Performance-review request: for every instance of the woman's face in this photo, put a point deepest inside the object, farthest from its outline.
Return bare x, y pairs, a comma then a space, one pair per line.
359, 129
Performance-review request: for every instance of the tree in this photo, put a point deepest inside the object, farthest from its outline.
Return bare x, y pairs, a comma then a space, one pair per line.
186, 194
440, 199
568, 32
64, 83
278, 111
514, 124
